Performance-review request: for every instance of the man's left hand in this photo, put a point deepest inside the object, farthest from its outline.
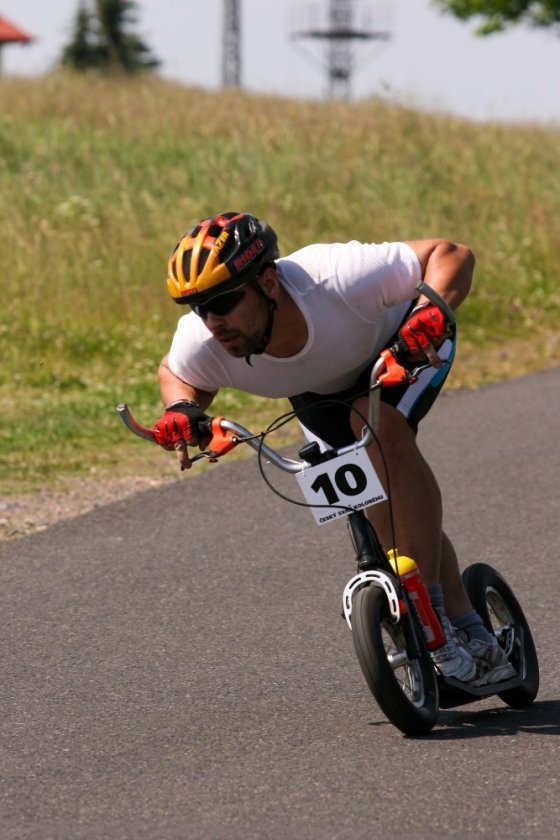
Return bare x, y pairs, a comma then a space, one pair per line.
423, 332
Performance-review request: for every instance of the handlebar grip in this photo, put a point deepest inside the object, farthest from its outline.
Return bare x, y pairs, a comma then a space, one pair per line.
435, 298
222, 440
132, 425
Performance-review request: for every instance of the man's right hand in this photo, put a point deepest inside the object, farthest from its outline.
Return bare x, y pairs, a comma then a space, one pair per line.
182, 424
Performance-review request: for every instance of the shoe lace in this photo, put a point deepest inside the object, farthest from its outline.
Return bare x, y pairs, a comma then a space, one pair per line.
449, 648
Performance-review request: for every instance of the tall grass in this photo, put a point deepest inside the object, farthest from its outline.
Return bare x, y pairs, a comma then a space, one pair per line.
98, 179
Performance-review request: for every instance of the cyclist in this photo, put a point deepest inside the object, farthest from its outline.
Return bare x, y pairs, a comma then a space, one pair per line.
308, 327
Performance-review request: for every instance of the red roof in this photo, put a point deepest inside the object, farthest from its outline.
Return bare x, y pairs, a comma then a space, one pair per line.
12, 34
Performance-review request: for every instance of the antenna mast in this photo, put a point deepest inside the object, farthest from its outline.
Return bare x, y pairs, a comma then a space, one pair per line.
231, 51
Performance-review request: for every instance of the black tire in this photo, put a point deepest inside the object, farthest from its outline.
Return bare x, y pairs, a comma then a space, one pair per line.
493, 599
407, 693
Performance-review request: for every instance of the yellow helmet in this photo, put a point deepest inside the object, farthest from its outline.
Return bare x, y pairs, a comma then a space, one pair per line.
226, 250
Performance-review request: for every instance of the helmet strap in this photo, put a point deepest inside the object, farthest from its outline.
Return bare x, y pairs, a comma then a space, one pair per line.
267, 330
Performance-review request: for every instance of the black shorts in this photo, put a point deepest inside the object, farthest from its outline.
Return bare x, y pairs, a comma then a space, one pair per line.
327, 416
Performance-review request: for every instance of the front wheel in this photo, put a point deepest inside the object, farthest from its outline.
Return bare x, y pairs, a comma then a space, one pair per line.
405, 689
502, 615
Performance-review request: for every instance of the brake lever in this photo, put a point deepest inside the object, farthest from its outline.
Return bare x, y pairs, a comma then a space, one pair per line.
394, 373
222, 441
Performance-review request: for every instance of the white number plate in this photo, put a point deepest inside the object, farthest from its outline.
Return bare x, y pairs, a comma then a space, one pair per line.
348, 481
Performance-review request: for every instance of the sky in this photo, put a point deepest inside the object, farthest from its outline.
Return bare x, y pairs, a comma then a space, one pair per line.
431, 61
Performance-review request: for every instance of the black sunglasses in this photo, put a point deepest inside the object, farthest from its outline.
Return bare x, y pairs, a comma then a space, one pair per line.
220, 305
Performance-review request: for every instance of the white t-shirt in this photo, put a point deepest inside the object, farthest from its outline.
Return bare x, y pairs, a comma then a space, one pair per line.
353, 297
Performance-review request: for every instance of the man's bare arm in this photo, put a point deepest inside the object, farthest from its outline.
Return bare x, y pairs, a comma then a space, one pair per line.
447, 267
172, 388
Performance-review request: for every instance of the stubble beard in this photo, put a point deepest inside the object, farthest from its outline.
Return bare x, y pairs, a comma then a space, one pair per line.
245, 345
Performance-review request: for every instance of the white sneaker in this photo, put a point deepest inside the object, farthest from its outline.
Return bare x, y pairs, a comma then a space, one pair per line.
492, 665
453, 659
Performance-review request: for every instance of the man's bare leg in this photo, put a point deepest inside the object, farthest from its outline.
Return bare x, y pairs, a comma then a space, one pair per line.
416, 503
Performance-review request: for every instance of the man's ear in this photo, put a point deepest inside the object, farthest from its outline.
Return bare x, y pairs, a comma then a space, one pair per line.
268, 281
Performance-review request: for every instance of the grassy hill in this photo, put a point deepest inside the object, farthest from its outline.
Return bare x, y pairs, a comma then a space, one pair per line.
99, 178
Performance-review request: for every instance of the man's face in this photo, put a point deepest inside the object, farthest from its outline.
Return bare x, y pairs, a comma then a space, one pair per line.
239, 331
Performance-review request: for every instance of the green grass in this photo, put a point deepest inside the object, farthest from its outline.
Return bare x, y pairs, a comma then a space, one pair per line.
99, 178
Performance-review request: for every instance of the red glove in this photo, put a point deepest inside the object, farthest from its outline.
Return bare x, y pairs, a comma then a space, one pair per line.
426, 325
182, 420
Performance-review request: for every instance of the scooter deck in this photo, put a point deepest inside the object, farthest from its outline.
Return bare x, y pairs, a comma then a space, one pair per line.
456, 693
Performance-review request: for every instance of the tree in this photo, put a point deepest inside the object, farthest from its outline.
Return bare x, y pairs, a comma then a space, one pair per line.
103, 40
499, 15
125, 50
83, 51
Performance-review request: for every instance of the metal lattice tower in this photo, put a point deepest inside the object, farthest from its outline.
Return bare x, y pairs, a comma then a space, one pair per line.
341, 33
339, 48
231, 55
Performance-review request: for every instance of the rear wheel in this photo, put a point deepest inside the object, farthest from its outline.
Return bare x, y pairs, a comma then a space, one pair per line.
405, 689
493, 599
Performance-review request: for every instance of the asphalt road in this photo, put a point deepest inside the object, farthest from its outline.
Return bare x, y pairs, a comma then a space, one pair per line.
175, 665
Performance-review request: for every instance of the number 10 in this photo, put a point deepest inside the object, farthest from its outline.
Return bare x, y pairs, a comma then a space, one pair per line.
349, 479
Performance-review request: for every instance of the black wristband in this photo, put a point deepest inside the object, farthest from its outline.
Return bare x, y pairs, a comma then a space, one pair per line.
176, 403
